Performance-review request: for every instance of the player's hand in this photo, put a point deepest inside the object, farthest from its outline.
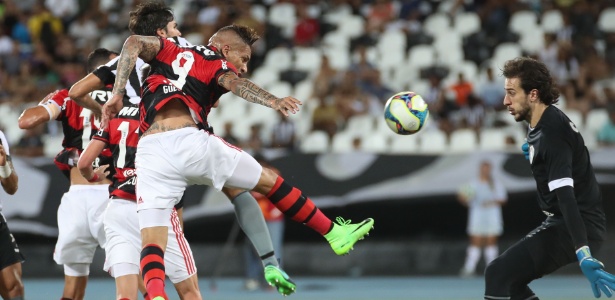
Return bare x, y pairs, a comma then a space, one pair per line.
2, 156
110, 109
286, 105
101, 172
593, 270
526, 150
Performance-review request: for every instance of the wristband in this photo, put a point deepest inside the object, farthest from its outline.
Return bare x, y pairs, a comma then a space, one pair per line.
5, 171
94, 178
583, 253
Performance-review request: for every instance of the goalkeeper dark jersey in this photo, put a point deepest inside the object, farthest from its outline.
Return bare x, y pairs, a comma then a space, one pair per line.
559, 158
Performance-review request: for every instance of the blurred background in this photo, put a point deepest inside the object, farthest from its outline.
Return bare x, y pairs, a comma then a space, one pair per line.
343, 59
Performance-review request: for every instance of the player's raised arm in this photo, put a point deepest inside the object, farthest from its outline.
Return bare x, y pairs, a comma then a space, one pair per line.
136, 46
80, 93
46, 110
248, 90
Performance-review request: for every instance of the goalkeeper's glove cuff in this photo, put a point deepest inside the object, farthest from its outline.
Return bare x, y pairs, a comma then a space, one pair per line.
583, 253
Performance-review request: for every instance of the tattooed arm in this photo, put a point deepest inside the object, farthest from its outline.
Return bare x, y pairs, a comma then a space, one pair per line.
145, 47
248, 90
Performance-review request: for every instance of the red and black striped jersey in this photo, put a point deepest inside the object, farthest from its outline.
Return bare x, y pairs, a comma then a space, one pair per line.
78, 126
186, 73
121, 136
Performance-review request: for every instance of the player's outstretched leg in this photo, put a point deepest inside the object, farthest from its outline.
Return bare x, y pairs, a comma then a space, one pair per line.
291, 201
277, 278
152, 270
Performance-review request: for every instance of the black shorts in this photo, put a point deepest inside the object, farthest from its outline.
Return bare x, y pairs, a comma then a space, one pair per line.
9, 251
551, 246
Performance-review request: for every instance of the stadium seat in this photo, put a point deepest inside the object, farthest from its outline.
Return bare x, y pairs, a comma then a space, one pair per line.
283, 15
258, 12
315, 142
280, 58
532, 41
463, 140
467, 23
303, 91
280, 88
575, 117
590, 137
421, 56
420, 87
437, 23
307, 59
391, 39
265, 75
338, 58
405, 144
492, 139
391, 58
361, 124
374, 143
504, 52
432, 141
336, 15
523, 21
552, 21
352, 26
606, 21
335, 39
342, 142
596, 119
52, 144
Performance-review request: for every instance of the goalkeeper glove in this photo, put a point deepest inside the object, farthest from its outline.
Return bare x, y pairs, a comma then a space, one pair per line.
526, 150
593, 269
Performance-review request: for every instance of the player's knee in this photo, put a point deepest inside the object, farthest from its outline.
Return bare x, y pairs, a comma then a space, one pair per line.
267, 181
496, 273
77, 269
15, 288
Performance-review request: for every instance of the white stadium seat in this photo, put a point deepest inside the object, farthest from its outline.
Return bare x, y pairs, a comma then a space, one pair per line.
532, 41
307, 59
401, 144
352, 26
504, 52
522, 21
436, 24
375, 143
342, 142
463, 140
315, 142
492, 139
606, 21
575, 117
421, 56
280, 58
552, 21
433, 141
596, 119
283, 15
361, 124
467, 23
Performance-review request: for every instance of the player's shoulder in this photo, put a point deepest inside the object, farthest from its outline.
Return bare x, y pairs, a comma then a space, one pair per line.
180, 41
556, 123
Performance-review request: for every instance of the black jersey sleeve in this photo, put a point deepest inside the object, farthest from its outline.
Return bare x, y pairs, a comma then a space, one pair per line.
105, 74
572, 216
558, 154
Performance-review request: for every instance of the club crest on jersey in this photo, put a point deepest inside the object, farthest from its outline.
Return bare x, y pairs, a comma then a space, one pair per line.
574, 127
128, 111
531, 154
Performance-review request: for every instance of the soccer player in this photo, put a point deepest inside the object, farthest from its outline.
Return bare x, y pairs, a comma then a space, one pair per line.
11, 286
80, 227
156, 19
183, 85
567, 192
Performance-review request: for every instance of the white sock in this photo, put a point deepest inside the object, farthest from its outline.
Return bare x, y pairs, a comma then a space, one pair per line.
491, 253
472, 257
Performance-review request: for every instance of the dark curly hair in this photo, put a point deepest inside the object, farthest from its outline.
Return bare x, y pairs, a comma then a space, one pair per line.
99, 57
532, 75
247, 34
148, 17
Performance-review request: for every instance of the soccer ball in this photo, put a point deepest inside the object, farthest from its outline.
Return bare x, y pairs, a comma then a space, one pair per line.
406, 113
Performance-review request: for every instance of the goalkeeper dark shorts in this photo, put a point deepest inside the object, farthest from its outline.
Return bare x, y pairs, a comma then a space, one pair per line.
9, 251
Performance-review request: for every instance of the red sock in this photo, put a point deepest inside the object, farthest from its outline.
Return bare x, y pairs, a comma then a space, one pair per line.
152, 268
299, 208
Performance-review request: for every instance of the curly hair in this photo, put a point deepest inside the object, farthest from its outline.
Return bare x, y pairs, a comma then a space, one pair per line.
247, 34
148, 17
99, 57
532, 75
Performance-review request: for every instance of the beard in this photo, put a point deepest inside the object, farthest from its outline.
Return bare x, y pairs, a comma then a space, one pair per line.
524, 113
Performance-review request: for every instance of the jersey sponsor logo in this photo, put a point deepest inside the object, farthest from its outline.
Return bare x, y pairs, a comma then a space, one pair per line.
531, 154
128, 111
169, 89
130, 181
224, 66
101, 96
574, 127
129, 172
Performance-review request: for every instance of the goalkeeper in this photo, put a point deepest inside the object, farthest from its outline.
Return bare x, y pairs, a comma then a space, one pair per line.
568, 192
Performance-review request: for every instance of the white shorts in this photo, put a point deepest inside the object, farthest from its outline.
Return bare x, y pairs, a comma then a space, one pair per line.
167, 162
124, 242
485, 223
80, 223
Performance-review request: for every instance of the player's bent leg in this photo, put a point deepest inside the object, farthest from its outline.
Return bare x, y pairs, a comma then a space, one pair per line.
291, 201
154, 225
277, 278
179, 262
11, 285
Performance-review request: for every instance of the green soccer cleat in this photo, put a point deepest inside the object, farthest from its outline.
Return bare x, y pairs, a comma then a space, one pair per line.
277, 278
344, 235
